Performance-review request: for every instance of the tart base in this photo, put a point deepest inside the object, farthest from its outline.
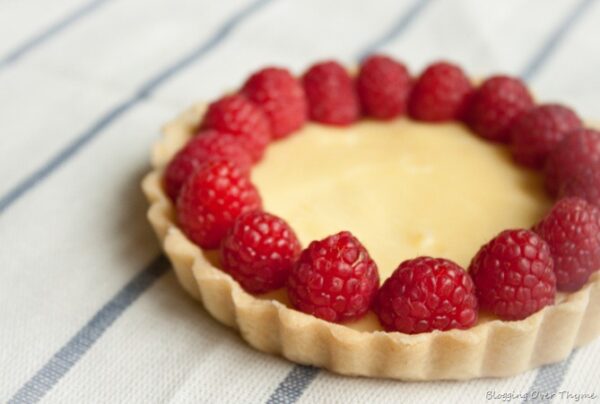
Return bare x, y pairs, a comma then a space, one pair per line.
491, 349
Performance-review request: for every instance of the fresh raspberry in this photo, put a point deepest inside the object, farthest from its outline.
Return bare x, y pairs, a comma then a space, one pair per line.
236, 115
281, 97
259, 251
580, 148
584, 184
514, 275
425, 294
495, 105
211, 200
572, 229
537, 132
383, 86
440, 94
334, 279
331, 95
206, 145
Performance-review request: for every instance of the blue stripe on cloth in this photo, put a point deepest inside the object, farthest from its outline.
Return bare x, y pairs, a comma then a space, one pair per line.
291, 388
63, 360
402, 23
116, 112
72, 352
63, 155
548, 380
45, 35
553, 42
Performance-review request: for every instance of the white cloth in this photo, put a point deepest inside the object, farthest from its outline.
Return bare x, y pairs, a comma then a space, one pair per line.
75, 135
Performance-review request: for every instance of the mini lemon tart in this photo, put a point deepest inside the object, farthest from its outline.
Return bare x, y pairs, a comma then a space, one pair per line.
385, 226
418, 203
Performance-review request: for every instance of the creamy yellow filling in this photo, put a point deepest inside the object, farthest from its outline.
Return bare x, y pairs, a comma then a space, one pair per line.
404, 188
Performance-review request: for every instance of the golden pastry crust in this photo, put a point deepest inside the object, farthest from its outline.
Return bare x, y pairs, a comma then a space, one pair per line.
491, 349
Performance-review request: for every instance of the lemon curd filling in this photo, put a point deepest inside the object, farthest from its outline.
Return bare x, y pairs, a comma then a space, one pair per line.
403, 188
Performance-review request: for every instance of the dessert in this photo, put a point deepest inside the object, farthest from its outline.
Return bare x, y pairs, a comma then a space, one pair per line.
299, 254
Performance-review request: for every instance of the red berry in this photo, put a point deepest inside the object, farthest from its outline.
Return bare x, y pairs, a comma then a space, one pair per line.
572, 229
584, 184
383, 86
537, 132
331, 95
281, 97
236, 115
207, 145
580, 148
334, 279
426, 294
495, 105
211, 200
259, 251
440, 94
514, 275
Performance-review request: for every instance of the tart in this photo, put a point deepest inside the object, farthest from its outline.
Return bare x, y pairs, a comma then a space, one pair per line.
400, 170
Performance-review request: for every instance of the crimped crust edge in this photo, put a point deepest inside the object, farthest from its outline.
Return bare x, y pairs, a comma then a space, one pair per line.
491, 349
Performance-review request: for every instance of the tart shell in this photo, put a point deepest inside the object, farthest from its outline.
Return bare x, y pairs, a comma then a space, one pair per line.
492, 348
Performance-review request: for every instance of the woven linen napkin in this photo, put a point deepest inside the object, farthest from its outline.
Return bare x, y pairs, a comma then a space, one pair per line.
89, 309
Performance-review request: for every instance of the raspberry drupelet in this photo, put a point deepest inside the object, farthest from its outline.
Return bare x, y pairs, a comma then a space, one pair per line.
236, 115
334, 279
495, 105
211, 200
537, 132
383, 86
331, 95
580, 149
425, 294
440, 94
281, 97
572, 230
514, 274
205, 146
259, 251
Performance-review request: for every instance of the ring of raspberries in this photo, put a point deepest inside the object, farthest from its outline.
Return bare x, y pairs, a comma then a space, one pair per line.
514, 275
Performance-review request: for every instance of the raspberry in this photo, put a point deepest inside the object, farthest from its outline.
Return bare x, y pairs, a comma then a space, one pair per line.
259, 251
236, 115
426, 294
584, 184
537, 132
211, 200
579, 149
281, 97
440, 94
334, 279
572, 229
514, 275
383, 86
495, 105
207, 145
331, 96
